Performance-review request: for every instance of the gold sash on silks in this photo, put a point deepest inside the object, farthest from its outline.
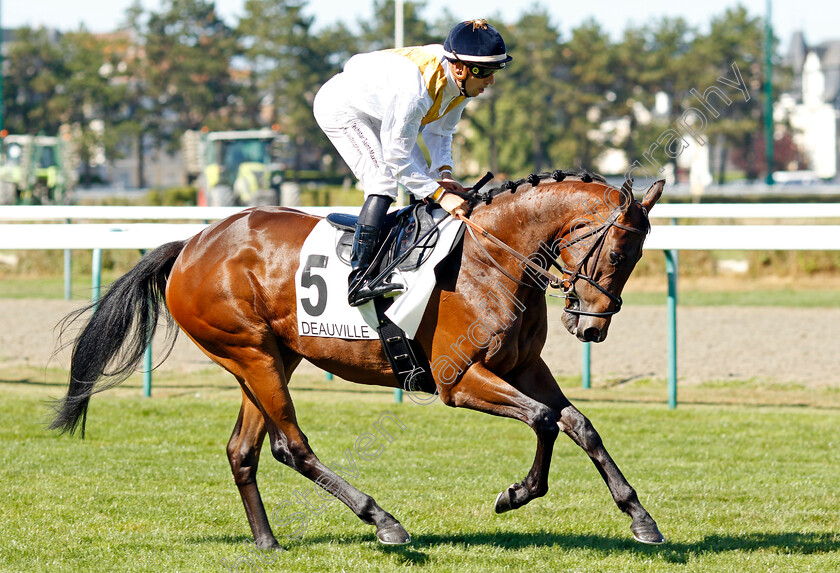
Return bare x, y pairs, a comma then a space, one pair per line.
435, 78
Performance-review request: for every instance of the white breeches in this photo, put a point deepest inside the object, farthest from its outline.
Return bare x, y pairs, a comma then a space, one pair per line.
357, 140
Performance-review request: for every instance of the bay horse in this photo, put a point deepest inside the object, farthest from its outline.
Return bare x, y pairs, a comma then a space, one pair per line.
231, 289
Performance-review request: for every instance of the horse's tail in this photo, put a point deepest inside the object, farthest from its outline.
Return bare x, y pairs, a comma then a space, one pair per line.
112, 342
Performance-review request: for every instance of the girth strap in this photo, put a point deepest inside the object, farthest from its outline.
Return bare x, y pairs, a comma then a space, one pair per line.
407, 359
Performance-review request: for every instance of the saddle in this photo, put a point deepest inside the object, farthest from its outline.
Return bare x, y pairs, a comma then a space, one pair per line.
402, 229
410, 235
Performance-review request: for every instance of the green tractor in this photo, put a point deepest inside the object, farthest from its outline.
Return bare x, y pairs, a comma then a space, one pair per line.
32, 170
237, 168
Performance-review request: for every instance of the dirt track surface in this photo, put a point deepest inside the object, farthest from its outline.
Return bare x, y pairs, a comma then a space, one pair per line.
714, 343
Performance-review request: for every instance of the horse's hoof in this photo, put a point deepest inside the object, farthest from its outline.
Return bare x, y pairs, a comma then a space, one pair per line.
647, 532
504, 501
269, 544
393, 535
269, 547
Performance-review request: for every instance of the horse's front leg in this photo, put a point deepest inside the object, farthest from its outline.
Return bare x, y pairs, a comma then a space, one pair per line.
481, 390
540, 385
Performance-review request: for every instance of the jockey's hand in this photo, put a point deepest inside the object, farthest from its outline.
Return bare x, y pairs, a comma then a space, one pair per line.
454, 204
451, 201
450, 184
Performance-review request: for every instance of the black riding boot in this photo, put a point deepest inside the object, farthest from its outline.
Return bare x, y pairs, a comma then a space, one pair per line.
365, 245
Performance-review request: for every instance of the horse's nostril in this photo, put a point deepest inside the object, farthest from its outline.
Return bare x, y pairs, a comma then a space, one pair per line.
592, 334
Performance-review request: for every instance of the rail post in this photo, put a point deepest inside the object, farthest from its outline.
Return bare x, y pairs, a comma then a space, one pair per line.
586, 371
671, 267
68, 274
147, 360
68, 271
147, 371
96, 275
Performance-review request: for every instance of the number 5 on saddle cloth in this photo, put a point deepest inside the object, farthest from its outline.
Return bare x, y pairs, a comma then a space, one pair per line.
417, 239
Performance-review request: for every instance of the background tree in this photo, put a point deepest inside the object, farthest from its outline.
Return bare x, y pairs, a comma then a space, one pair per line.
566, 97
33, 71
588, 61
378, 33
289, 63
189, 55
88, 101
652, 61
736, 38
137, 119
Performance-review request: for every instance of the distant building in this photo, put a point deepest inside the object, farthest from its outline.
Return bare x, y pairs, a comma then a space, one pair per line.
813, 105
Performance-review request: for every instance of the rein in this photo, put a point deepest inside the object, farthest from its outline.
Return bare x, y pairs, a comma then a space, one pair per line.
580, 271
472, 227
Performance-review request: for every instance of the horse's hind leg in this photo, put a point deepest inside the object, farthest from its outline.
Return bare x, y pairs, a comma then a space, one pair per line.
264, 378
540, 385
243, 452
290, 446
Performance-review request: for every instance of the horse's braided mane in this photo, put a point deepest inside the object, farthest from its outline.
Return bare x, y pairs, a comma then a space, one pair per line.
536, 178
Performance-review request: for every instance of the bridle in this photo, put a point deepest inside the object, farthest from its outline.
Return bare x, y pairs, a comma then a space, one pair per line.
580, 272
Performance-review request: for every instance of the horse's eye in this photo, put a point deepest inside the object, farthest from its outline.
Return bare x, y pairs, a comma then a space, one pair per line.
616, 258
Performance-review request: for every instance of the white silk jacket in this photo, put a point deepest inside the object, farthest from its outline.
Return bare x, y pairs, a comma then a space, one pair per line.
400, 94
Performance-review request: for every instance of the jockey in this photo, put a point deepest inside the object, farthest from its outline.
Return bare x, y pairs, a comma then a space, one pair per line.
374, 111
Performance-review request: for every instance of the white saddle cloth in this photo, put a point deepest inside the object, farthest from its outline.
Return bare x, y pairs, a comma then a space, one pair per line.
321, 287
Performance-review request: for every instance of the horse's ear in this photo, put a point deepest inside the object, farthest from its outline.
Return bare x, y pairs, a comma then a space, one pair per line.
627, 195
653, 194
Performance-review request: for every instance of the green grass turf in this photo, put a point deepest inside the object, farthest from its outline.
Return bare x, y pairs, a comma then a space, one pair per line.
733, 487
783, 297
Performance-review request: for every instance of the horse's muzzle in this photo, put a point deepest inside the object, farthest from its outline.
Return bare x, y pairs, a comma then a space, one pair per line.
587, 331
586, 326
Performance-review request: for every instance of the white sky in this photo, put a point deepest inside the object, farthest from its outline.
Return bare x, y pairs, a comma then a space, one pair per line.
817, 18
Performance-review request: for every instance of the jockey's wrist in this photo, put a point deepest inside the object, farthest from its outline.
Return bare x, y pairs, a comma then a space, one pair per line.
437, 194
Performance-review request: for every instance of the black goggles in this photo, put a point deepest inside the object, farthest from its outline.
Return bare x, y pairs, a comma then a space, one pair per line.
480, 72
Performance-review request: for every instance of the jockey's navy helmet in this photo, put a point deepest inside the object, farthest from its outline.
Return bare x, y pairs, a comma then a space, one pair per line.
476, 42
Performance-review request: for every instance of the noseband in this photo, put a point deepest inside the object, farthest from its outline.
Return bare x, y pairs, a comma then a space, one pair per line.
580, 271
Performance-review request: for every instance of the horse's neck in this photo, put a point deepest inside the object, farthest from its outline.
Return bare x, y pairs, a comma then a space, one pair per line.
530, 218
536, 223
